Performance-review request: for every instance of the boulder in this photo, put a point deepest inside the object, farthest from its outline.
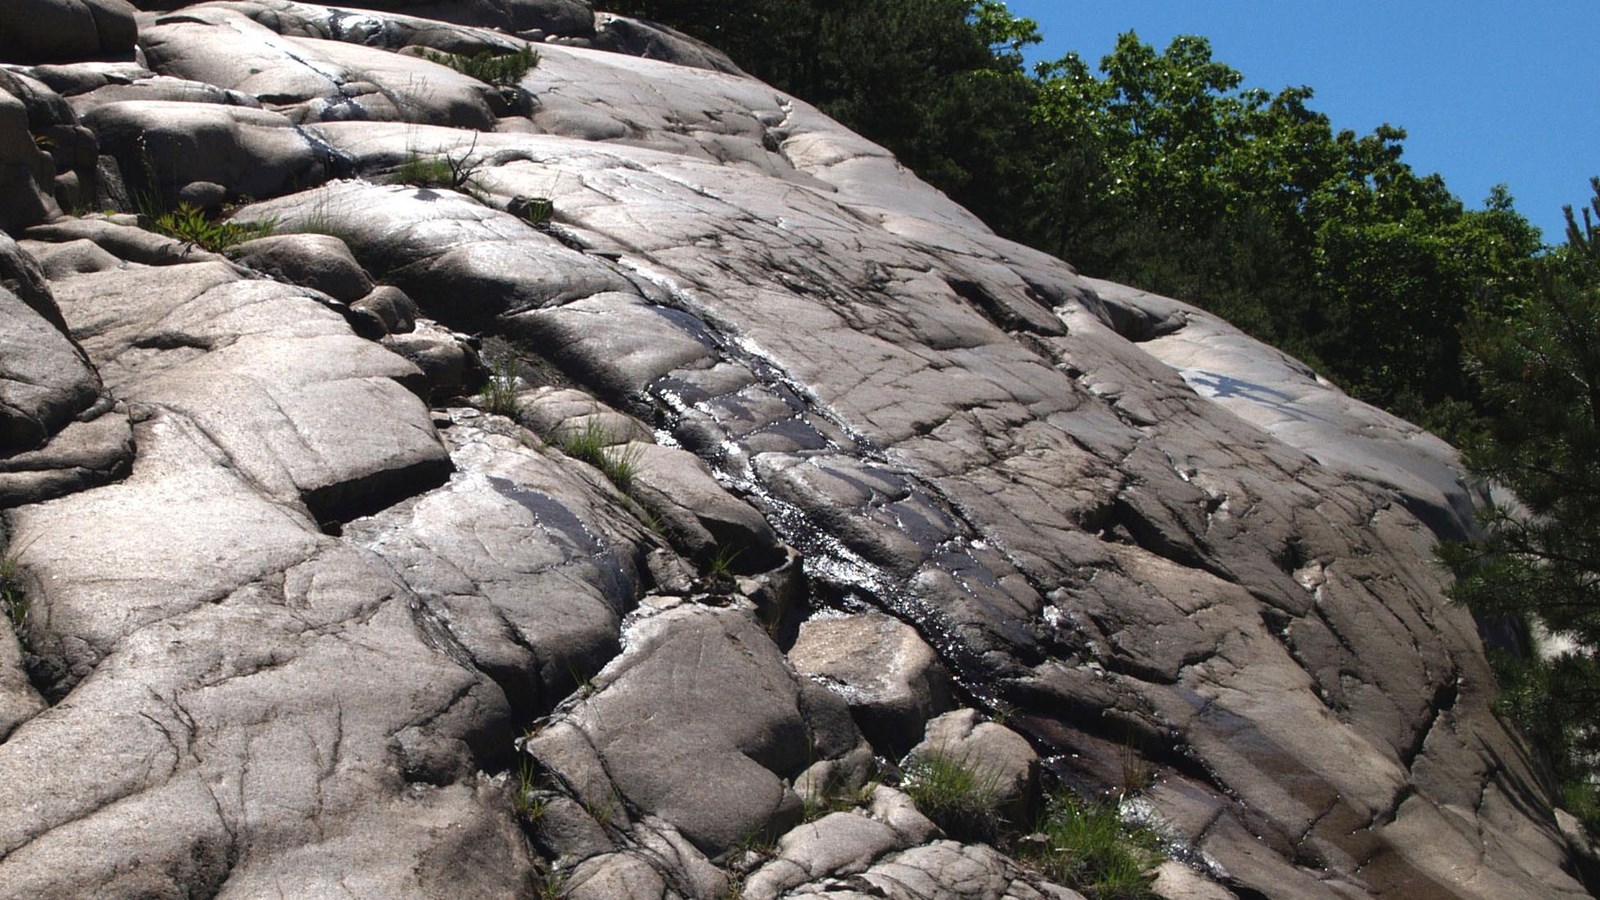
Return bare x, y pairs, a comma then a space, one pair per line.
167, 145
318, 261
26, 172
309, 79
891, 678
82, 455
75, 257
296, 401
1001, 760
39, 31
45, 381
698, 690
448, 362
391, 307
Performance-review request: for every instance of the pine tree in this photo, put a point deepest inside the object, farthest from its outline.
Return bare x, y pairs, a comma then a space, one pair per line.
1538, 364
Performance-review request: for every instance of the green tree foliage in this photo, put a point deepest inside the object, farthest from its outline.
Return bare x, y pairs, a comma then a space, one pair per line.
1250, 204
1539, 365
1160, 169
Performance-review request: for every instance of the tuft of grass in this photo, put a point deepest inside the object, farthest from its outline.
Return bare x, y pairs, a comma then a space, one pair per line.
537, 211
959, 798
1137, 773
499, 394
456, 172
529, 804
502, 70
13, 602
191, 224
1086, 846
553, 886
593, 445
721, 562
833, 795
760, 841
603, 811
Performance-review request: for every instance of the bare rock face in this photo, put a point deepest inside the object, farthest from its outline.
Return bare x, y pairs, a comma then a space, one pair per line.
891, 678
39, 31
287, 618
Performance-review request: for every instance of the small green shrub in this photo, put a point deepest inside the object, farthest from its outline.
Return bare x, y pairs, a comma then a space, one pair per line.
190, 223
497, 69
13, 602
499, 394
955, 795
1086, 846
1582, 799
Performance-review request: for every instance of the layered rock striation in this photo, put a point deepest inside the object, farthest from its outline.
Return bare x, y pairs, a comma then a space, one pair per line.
785, 467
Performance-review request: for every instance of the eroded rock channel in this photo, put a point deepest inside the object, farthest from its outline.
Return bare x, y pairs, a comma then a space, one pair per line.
804, 469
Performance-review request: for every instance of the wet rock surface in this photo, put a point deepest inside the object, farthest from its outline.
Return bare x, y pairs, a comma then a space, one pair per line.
782, 461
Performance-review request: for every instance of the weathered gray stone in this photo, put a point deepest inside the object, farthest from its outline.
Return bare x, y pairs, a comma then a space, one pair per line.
527, 572
841, 843
391, 31
447, 361
1176, 881
999, 758
65, 30
19, 702
945, 870
391, 307
26, 172
890, 677
306, 409
318, 261
254, 152
554, 17
154, 87
119, 236
1140, 535
82, 455
308, 79
45, 380
79, 257
699, 690
699, 515
652, 40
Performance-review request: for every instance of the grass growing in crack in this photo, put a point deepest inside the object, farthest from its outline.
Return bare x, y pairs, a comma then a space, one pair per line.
552, 886
191, 224
499, 394
537, 211
833, 795
1087, 847
529, 804
956, 795
595, 446
721, 563
602, 811
497, 69
451, 171
13, 602
760, 841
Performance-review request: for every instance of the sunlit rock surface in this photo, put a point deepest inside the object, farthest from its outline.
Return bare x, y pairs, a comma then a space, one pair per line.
301, 622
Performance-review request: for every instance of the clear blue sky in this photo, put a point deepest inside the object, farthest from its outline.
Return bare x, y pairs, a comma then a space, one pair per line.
1488, 92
